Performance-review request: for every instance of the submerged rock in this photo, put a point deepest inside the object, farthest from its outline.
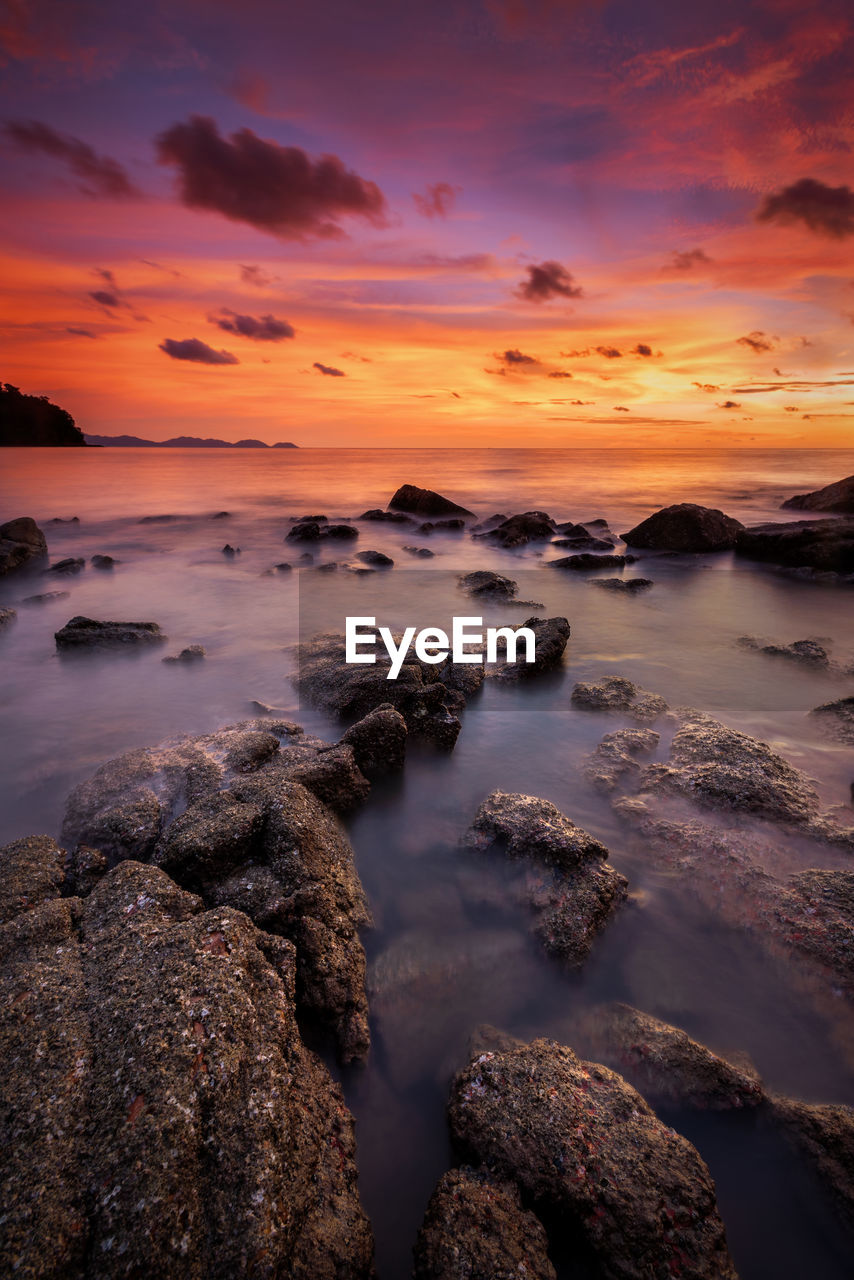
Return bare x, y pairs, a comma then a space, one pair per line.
823, 1133
311, 530
456, 525
808, 652
161, 1114
476, 1229
103, 562
45, 596
88, 633
615, 757
375, 557
838, 718
74, 564
816, 544
615, 693
584, 1148
388, 517
551, 636
630, 586
663, 1063
484, 582
585, 562
423, 552
7, 616
685, 527
519, 530
575, 892
424, 502
21, 543
192, 653
833, 497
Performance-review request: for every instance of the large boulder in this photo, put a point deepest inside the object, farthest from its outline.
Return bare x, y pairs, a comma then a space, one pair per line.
575, 891
89, 633
476, 1229
161, 1115
833, 497
424, 502
685, 527
551, 636
21, 543
586, 1151
822, 545
519, 530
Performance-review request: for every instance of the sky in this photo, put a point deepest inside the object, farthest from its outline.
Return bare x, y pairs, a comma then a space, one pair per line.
463, 223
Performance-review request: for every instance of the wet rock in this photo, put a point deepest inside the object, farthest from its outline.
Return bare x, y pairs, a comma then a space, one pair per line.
583, 1146
192, 653
838, 718
483, 582
31, 872
686, 527
423, 552
491, 522
476, 1229
584, 562
379, 742
340, 532
808, 652
88, 633
21, 543
629, 586
519, 530
826, 545
308, 530
45, 596
102, 562
663, 1063
824, 1135
551, 636
615, 758
283, 567
442, 526
74, 564
375, 558
84, 867
229, 550
146, 1035
831, 889
615, 693
574, 892
304, 531
583, 542
424, 502
7, 616
64, 520
387, 517
833, 497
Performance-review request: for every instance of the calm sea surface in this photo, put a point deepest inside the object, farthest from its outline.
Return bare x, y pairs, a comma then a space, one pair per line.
450, 949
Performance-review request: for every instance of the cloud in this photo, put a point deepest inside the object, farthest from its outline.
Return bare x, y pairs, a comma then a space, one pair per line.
729, 404
277, 189
610, 353
100, 176
437, 201
705, 386
620, 408
259, 328
757, 341
195, 350
560, 373
257, 276
514, 357
829, 211
328, 370
80, 333
641, 350
688, 259
548, 280
109, 300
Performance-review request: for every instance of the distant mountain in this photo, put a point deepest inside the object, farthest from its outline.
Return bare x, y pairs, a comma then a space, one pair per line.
34, 421
181, 442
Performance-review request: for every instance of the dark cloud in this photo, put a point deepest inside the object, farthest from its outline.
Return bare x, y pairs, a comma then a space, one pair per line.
109, 300
757, 341
642, 350
100, 176
256, 276
328, 370
688, 259
437, 201
729, 404
705, 386
514, 357
560, 373
274, 188
620, 408
462, 262
259, 328
829, 211
610, 353
195, 350
548, 280
80, 333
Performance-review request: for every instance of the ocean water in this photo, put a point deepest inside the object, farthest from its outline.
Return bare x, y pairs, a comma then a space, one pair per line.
451, 948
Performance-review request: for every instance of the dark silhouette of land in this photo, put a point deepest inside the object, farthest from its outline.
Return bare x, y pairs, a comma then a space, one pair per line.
182, 442
33, 420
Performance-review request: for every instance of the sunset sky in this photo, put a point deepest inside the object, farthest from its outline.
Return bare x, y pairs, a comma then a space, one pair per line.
455, 223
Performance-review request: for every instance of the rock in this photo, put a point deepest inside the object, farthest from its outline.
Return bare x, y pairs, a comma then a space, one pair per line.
663, 1063
340, 532
614, 758
425, 502
193, 653
826, 545
45, 596
492, 522
476, 1229
64, 520
442, 526
686, 527
21, 543
7, 616
550, 640
145, 1036
229, 550
309, 519
304, 531
808, 652
87, 633
629, 586
388, 517
838, 718
375, 557
575, 893
483, 582
71, 565
379, 742
518, 531
308, 530
824, 1135
283, 567
31, 872
833, 497
615, 693
424, 552
584, 562
583, 543
102, 562
84, 867
827, 889
583, 1146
